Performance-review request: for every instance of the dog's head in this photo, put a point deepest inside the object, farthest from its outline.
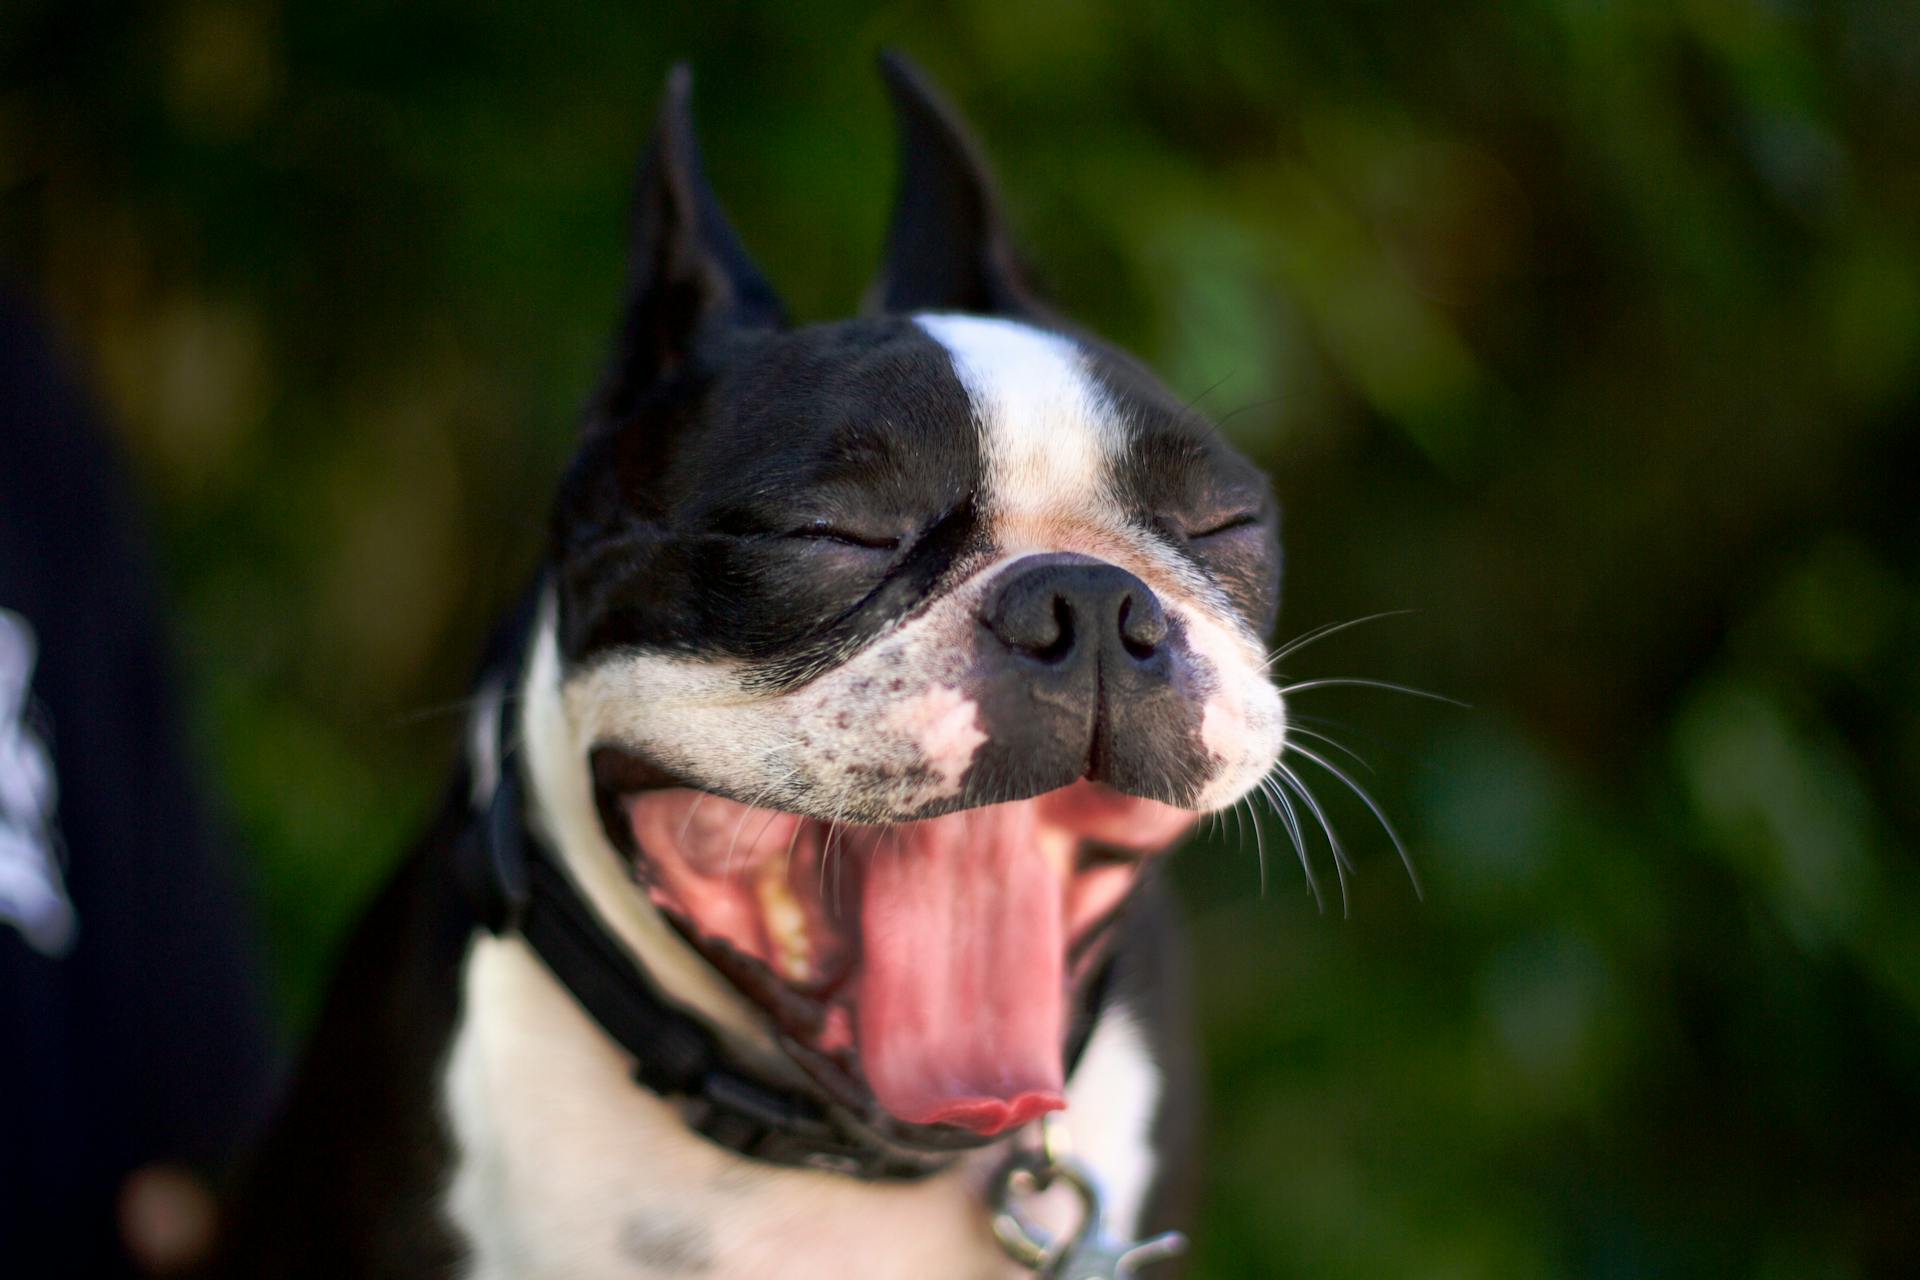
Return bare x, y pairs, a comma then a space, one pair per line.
890, 648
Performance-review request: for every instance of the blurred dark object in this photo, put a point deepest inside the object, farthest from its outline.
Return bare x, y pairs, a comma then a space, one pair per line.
129, 1008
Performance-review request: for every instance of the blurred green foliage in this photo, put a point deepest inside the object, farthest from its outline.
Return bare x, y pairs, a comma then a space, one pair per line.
1588, 330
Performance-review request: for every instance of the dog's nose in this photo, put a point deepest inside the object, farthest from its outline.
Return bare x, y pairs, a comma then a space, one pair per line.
1065, 613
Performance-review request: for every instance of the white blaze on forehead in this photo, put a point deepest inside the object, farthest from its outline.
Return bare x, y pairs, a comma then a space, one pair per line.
1048, 432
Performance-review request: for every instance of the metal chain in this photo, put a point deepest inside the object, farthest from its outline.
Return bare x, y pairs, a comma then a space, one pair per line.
1090, 1251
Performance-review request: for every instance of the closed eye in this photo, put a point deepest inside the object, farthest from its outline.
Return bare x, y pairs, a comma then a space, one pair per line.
1229, 524
827, 531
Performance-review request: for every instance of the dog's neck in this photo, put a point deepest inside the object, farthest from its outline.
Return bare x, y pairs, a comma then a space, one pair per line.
564, 1163
564, 1168
561, 814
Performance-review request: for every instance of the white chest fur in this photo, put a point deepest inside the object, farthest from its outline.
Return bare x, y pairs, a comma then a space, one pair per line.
564, 1168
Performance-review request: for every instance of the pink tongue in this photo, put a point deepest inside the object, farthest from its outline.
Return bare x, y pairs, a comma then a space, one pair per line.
962, 998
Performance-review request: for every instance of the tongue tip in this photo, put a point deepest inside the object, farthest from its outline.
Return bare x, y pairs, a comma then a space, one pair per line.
990, 1116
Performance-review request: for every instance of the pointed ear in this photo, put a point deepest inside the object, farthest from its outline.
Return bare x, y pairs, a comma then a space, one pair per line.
689, 281
949, 248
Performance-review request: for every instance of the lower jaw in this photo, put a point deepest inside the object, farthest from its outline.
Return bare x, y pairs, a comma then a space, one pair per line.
933, 963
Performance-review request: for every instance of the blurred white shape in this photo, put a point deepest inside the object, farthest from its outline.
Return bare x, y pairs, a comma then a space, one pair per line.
33, 898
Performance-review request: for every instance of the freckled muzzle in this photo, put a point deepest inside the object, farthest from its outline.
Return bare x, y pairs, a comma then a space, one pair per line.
909, 861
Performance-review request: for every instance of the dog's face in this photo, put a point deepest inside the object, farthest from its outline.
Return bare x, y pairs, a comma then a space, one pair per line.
893, 646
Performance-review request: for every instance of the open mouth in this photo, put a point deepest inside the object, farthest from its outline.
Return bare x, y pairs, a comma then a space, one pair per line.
935, 960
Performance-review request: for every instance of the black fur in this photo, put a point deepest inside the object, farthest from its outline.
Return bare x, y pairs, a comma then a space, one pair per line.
949, 248
781, 510
349, 1181
780, 497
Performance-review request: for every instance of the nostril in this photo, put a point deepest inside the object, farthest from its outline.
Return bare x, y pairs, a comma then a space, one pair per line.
1061, 643
1070, 613
1035, 618
1143, 626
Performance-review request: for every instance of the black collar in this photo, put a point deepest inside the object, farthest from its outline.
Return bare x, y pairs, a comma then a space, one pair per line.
517, 887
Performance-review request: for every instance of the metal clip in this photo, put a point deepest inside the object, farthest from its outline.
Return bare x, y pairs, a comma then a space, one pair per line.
1090, 1251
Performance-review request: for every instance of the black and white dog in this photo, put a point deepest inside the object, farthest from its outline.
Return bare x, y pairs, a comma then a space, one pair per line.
802, 856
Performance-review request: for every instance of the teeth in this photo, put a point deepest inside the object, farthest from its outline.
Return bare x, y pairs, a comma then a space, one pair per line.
786, 922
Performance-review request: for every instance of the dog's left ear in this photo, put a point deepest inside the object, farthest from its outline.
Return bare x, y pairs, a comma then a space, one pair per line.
690, 283
949, 247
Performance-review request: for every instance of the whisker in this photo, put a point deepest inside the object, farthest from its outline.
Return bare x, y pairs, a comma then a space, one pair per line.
459, 705
826, 854
700, 798
1371, 740
1219, 382
1337, 745
1284, 807
1326, 629
1225, 418
726, 863
793, 842
1300, 686
838, 864
1405, 859
1341, 863
1259, 845
773, 815
687, 822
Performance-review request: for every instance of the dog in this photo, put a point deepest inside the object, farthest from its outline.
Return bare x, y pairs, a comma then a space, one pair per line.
802, 865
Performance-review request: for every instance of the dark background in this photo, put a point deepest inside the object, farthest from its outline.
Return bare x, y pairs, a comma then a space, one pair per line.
1589, 331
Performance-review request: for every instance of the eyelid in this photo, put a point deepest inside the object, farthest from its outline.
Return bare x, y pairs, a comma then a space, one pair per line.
828, 531
1227, 524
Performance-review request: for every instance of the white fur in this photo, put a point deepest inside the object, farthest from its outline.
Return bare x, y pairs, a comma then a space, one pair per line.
483, 743
1243, 722
33, 896
1050, 433
1050, 438
822, 748
1114, 1097
945, 724
849, 744
565, 1168
839, 747
562, 812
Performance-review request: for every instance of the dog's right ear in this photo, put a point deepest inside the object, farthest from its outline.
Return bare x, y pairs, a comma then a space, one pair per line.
949, 247
690, 283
